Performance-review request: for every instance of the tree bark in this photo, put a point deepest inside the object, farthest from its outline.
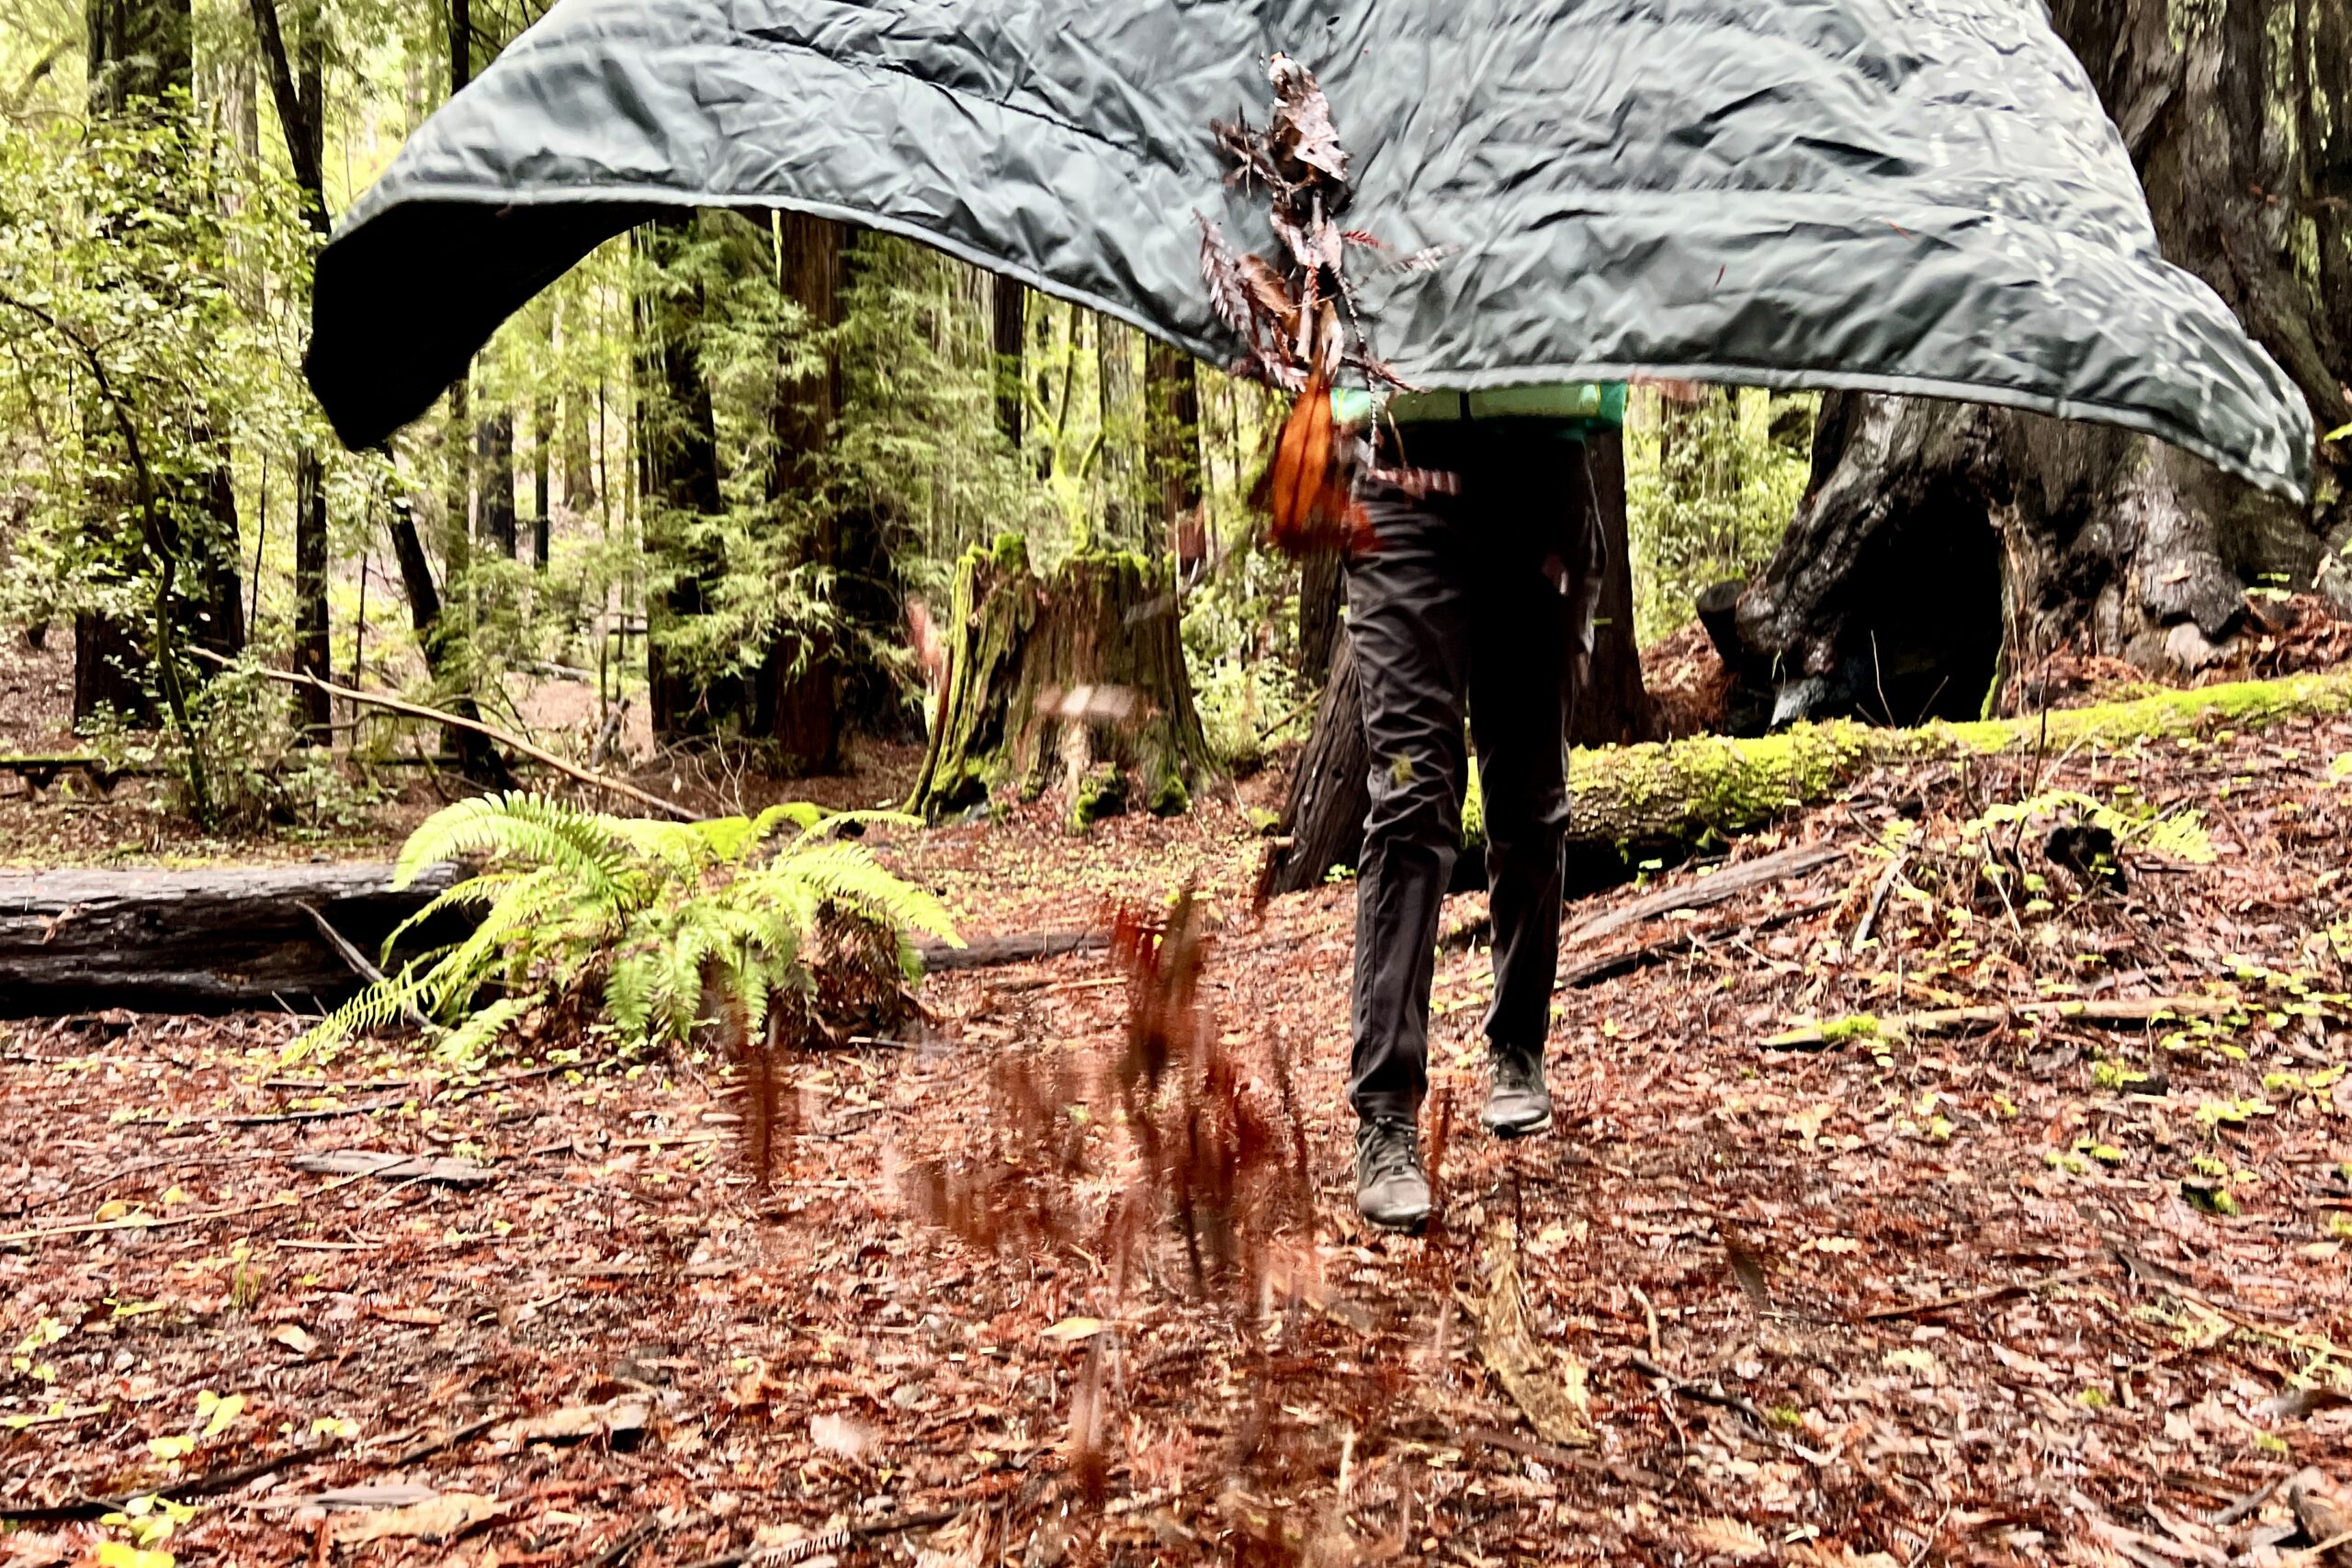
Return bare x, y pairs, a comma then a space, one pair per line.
803, 715
1172, 450
1077, 683
1943, 551
226, 938
1321, 824
677, 444
1607, 705
1322, 591
1008, 324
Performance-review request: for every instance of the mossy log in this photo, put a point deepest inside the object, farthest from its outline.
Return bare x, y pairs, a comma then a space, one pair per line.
1636, 801
1665, 800
1077, 683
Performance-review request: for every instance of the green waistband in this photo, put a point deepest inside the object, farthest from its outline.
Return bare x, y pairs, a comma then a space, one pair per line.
1589, 403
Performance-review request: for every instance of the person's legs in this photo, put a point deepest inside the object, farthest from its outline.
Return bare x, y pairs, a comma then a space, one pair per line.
1407, 621
1520, 604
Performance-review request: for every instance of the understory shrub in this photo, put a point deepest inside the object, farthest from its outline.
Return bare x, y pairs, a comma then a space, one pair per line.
666, 932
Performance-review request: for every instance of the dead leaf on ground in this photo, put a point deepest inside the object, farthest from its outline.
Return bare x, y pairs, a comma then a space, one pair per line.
1730, 1537
1547, 1385
617, 1418
444, 1516
392, 1166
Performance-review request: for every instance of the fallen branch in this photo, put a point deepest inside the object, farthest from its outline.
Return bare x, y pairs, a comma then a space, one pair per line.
1947, 1020
361, 966
1978, 1298
210, 1485
832, 1540
1728, 882
1608, 966
987, 952
473, 725
156, 1222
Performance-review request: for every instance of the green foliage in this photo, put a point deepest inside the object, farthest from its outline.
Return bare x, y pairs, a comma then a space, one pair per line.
663, 921
1709, 491
2134, 823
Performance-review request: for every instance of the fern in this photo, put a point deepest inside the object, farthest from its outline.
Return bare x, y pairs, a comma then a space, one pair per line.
655, 915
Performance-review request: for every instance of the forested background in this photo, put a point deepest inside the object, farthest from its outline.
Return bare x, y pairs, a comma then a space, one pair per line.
688, 495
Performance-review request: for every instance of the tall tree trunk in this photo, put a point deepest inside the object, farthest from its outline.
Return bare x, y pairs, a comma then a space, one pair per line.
314, 648
1172, 451
298, 85
1944, 550
678, 451
477, 758
1129, 509
1322, 593
542, 476
803, 674
1609, 705
494, 520
1008, 325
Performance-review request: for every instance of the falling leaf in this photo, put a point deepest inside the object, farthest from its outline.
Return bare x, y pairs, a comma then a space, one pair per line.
177, 1445
1071, 1329
294, 1337
443, 1517
840, 1435
1838, 1244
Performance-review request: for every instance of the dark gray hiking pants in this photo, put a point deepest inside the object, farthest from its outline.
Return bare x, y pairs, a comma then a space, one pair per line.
1481, 599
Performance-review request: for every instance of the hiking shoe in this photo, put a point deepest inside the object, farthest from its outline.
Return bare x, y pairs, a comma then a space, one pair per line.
1518, 1105
1392, 1190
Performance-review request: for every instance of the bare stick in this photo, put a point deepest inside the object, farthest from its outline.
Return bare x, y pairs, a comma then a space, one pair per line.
362, 967
489, 732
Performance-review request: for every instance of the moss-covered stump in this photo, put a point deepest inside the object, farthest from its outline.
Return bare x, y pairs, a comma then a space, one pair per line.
1074, 685
1683, 794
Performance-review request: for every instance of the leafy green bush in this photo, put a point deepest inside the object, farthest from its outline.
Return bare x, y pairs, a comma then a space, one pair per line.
665, 926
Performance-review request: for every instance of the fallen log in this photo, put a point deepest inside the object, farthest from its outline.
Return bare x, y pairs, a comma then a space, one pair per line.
300, 936
193, 941
1672, 797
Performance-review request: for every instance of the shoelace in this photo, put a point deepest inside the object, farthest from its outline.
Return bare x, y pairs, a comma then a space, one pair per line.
1392, 1150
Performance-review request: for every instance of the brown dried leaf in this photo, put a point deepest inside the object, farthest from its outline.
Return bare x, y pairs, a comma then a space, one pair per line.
443, 1517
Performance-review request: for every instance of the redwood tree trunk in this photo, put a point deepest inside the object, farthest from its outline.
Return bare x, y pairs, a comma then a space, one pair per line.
677, 446
803, 709
139, 51
1943, 550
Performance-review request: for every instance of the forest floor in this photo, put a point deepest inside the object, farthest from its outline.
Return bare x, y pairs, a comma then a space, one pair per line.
2067, 1277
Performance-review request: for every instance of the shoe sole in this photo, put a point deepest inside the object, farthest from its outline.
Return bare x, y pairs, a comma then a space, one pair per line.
1513, 1131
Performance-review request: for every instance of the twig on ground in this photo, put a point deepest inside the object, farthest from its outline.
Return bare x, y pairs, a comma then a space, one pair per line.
156, 1222
210, 1485
360, 965
1945, 1021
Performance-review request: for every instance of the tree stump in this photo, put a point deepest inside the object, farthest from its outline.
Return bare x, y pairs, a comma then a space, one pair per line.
1077, 684
1943, 550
